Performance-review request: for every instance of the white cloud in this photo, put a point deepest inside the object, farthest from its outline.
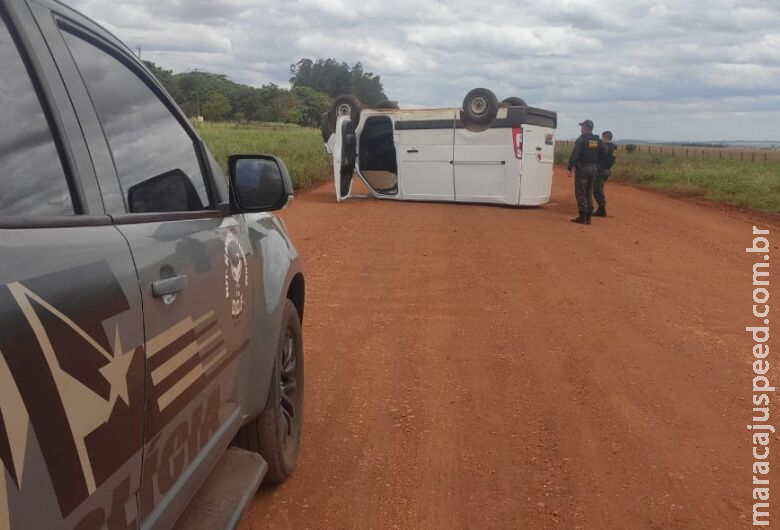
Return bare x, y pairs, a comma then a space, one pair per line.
636, 65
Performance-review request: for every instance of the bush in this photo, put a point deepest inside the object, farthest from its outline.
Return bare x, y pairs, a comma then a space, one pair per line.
630, 148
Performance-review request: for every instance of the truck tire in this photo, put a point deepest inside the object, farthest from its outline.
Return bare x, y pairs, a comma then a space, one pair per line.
515, 101
480, 107
276, 432
347, 105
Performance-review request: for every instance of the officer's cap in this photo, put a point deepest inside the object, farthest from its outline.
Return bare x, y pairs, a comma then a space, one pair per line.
587, 123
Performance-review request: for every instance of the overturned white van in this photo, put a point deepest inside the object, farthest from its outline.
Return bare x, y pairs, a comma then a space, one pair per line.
484, 152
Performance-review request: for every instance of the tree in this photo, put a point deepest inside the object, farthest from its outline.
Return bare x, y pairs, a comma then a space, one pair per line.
311, 105
325, 75
285, 105
367, 87
336, 78
166, 78
315, 83
216, 106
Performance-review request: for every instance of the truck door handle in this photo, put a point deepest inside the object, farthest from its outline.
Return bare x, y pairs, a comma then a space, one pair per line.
538, 148
168, 286
412, 151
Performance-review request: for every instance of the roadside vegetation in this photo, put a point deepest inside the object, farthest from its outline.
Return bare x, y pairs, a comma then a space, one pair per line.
313, 85
753, 185
740, 183
300, 147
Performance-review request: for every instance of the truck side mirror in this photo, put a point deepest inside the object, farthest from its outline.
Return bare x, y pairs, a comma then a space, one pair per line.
259, 183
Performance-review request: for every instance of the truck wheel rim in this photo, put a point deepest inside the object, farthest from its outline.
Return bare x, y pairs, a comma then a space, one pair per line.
344, 109
478, 105
288, 385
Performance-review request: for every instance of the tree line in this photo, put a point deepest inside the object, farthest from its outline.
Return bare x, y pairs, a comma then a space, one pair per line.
313, 85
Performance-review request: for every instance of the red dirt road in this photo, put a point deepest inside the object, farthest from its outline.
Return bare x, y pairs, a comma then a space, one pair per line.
486, 367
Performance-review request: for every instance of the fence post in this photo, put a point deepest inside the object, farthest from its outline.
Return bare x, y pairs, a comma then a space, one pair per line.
672, 151
753, 157
720, 155
662, 149
686, 154
742, 155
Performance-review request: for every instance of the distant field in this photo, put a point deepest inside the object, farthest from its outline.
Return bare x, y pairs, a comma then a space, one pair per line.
744, 154
300, 148
720, 176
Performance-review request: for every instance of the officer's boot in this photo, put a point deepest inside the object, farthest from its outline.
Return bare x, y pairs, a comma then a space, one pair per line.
582, 219
600, 212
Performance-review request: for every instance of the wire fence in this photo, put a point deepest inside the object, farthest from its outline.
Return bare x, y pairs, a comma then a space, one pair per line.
697, 153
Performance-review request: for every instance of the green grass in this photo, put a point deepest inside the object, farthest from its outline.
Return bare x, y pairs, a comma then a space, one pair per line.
300, 148
753, 185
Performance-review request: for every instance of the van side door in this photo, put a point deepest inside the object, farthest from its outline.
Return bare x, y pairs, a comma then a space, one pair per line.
425, 154
480, 164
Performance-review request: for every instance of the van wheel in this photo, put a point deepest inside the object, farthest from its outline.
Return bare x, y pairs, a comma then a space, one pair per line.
515, 101
276, 432
347, 105
480, 107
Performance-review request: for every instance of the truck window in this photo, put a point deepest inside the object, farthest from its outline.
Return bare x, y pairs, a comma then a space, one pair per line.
32, 178
152, 151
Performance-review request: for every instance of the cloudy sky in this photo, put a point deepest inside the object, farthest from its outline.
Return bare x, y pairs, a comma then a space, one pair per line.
698, 70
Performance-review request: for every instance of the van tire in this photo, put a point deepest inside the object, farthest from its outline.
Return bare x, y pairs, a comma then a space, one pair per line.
515, 101
266, 434
480, 107
345, 105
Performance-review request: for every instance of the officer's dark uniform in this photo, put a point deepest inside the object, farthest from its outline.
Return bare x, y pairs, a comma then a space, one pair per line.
606, 161
585, 159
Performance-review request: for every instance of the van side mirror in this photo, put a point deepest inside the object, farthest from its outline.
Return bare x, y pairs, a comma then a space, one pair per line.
259, 183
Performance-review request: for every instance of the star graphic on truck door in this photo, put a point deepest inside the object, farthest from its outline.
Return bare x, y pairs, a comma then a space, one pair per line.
77, 396
115, 372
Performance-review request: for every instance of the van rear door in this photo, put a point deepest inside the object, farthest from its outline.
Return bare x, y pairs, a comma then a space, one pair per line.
537, 166
344, 156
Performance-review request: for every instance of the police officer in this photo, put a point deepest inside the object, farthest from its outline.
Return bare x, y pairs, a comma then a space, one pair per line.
606, 161
584, 159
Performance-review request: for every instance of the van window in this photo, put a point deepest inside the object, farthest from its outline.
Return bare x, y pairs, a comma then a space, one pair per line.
152, 151
32, 178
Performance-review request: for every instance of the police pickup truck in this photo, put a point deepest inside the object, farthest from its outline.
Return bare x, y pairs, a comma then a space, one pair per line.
151, 356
